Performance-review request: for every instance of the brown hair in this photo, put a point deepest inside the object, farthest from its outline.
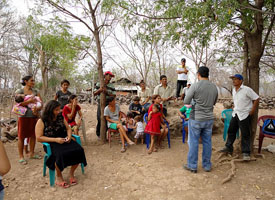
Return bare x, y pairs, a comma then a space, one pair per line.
154, 97
137, 118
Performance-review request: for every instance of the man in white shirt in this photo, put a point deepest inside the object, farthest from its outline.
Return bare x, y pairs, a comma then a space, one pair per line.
245, 104
165, 91
182, 77
185, 90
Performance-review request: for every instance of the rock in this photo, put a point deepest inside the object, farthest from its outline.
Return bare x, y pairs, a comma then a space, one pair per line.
4, 139
13, 132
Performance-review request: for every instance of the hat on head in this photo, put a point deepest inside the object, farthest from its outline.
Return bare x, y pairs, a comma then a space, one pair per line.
183, 60
109, 73
238, 76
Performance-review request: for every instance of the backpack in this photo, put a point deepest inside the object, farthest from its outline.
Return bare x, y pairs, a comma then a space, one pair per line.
269, 127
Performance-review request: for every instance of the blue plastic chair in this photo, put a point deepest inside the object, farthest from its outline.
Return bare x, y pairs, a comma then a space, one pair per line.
148, 137
49, 153
227, 115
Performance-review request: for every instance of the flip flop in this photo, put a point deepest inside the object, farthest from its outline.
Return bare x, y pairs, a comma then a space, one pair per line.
73, 181
22, 161
122, 150
63, 184
37, 157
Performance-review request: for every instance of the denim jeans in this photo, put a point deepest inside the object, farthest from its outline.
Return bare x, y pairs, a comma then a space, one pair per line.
197, 129
2, 195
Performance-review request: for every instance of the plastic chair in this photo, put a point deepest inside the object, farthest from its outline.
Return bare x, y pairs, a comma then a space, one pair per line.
263, 134
227, 115
49, 153
148, 138
113, 132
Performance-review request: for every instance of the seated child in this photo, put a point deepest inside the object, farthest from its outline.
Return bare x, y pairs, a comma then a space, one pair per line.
135, 106
69, 113
140, 129
184, 113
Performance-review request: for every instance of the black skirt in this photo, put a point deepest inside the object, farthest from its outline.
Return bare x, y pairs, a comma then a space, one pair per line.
66, 154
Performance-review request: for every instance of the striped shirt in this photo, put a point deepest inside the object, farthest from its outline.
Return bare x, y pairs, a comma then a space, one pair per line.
110, 90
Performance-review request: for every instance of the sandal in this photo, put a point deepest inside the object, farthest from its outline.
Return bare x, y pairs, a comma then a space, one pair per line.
122, 150
22, 161
149, 152
73, 181
131, 143
155, 150
63, 184
37, 157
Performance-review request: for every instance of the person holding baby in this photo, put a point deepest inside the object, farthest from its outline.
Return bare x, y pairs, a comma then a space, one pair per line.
31, 99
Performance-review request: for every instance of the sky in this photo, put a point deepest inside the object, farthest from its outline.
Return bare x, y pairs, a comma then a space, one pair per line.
23, 6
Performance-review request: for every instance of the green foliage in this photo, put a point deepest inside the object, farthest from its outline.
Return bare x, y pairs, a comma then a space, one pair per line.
61, 47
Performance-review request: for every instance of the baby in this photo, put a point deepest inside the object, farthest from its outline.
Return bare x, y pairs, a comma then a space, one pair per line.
37, 104
20, 99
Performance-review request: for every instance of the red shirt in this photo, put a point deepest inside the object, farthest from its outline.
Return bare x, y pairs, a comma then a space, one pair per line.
66, 111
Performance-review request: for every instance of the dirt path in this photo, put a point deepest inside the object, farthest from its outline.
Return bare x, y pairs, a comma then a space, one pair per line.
137, 175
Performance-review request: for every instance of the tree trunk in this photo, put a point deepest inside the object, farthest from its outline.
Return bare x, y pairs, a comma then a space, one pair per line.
245, 61
101, 78
44, 73
254, 42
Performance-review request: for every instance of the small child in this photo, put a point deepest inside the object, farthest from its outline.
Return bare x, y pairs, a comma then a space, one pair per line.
155, 120
130, 122
140, 129
135, 107
20, 99
38, 104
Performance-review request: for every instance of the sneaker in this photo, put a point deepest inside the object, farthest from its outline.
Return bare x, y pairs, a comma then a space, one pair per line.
226, 150
189, 169
246, 156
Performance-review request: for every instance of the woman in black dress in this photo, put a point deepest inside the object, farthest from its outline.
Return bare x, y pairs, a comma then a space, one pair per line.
52, 128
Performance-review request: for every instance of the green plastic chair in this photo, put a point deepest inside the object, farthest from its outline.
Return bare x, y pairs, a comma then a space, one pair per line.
227, 115
49, 153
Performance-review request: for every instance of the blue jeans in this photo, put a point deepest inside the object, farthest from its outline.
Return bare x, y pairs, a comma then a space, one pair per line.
197, 129
2, 195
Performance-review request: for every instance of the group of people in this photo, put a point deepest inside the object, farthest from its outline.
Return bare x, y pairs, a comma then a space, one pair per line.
58, 120
54, 125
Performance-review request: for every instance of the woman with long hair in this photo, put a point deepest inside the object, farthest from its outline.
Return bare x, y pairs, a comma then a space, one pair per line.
52, 128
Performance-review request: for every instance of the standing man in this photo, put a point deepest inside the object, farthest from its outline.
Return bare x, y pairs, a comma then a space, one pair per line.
165, 91
205, 94
182, 76
109, 90
245, 104
185, 90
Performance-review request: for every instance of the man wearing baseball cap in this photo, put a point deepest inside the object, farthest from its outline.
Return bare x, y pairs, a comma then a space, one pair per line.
109, 90
182, 76
245, 104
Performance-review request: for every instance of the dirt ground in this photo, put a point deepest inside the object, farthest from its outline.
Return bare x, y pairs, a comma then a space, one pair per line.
137, 175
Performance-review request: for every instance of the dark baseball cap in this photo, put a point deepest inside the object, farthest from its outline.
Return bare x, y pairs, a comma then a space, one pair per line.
238, 76
109, 73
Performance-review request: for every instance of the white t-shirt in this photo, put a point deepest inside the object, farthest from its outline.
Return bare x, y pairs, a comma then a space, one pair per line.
243, 101
185, 90
140, 128
183, 76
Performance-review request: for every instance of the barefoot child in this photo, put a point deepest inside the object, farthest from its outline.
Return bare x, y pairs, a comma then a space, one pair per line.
153, 126
140, 129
